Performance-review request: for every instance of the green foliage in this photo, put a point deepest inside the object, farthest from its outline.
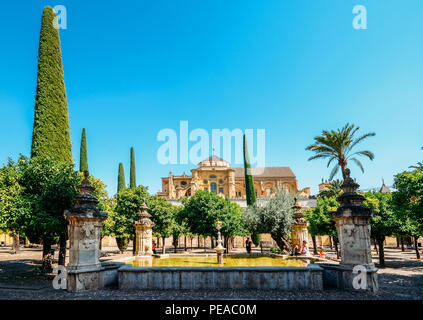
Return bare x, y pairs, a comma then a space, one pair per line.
319, 217
128, 206
338, 146
163, 215
407, 202
121, 178
384, 222
83, 155
256, 238
334, 190
275, 250
13, 207
132, 177
204, 209
122, 243
419, 165
49, 186
274, 216
34, 194
249, 183
50, 137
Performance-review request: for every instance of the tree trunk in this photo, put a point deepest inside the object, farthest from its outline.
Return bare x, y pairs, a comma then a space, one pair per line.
185, 243
212, 242
47, 257
375, 243
164, 245
335, 242
198, 242
330, 242
402, 244
282, 243
380, 241
134, 244
191, 242
416, 247
398, 244
62, 249
15, 245
204, 243
313, 238
175, 243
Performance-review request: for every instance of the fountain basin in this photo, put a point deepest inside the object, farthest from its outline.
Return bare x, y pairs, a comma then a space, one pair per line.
290, 274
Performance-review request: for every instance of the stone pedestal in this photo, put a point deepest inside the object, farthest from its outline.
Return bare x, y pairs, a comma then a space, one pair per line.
144, 233
299, 231
353, 227
85, 225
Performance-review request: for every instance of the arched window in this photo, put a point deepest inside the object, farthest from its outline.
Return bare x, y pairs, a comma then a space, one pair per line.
213, 187
183, 183
220, 181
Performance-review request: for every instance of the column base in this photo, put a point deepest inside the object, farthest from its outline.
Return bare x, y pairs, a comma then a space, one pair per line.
342, 277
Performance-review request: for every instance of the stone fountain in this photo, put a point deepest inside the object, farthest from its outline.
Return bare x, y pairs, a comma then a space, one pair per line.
219, 248
299, 231
144, 232
84, 229
353, 227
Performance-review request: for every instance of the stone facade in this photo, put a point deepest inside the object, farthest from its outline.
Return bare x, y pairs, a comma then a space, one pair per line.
216, 175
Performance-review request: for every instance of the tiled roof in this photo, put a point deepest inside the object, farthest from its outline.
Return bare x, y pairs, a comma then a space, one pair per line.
268, 172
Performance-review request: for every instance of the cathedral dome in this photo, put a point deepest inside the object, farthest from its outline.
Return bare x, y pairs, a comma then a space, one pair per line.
214, 161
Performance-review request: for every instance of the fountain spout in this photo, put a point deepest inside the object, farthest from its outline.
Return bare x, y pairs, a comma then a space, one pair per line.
219, 248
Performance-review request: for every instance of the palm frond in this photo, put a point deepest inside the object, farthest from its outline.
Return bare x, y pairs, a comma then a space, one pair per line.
334, 172
330, 161
319, 155
361, 138
366, 153
358, 163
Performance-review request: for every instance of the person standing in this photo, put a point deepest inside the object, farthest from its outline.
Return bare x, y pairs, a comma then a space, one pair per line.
248, 245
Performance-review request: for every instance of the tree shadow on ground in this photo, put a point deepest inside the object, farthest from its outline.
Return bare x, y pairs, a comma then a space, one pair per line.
23, 273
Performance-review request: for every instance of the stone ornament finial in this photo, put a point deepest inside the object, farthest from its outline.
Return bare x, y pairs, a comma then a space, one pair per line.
298, 215
144, 216
85, 204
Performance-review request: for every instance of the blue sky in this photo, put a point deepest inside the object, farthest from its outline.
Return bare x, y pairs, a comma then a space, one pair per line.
292, 68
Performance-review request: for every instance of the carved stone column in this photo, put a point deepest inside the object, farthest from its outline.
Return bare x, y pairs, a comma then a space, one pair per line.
299, 231
144, 233
353, 227
231, 184
85, 225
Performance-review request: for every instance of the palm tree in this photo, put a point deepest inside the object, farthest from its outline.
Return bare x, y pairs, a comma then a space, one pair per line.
419, 165
338, 145
334, 189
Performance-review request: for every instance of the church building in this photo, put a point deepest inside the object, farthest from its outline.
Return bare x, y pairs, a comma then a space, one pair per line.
216, 175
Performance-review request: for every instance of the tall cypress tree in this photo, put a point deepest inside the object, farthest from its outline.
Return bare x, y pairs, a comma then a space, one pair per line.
249, 183
133, 181
50, 137
83, 155
121, 178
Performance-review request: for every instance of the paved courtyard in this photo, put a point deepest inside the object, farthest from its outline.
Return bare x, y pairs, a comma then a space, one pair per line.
20, 278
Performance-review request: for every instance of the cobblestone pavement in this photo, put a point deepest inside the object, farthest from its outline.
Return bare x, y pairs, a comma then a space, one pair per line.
20, 278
